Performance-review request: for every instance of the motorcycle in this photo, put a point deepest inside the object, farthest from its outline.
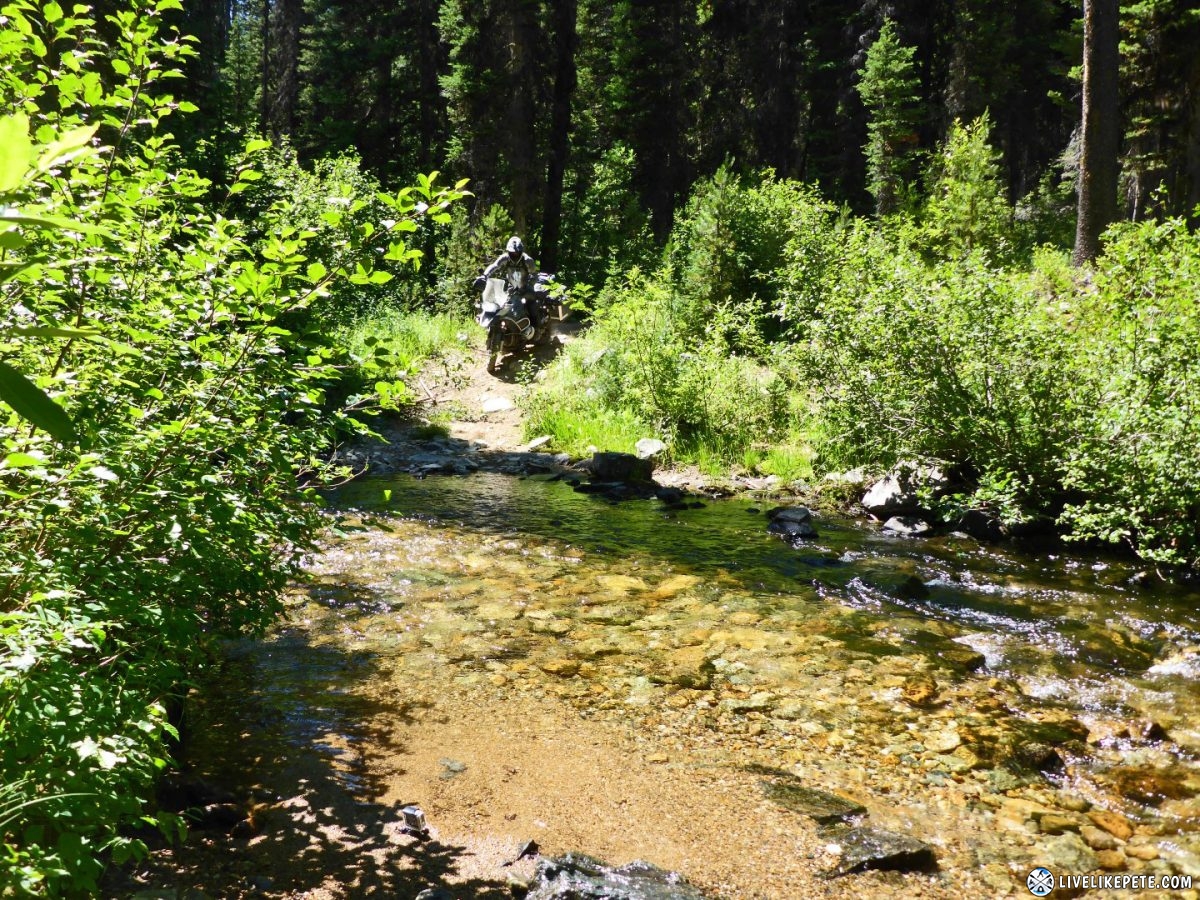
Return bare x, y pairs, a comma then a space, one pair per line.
504, 311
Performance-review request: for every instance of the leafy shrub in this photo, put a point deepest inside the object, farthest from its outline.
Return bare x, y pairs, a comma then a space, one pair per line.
701, 397
606, 230
341, 205
958, 362
967, 211
160, 410
727, 251
1137, 378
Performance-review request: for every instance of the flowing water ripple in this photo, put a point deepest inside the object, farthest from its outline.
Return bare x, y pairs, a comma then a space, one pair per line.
974, 688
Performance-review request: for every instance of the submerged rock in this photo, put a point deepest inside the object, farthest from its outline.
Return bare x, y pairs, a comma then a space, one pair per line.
575, 876
620, 467
1066, 853
822, 807
907, 526
792, 523
875, 848
982, 525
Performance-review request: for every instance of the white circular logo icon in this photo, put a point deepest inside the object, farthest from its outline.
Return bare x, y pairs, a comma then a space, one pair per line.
1040, 881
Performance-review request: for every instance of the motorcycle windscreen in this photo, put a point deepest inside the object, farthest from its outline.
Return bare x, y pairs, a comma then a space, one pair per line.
494, 295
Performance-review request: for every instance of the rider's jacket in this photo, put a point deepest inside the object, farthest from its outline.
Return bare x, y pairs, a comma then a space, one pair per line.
519, 273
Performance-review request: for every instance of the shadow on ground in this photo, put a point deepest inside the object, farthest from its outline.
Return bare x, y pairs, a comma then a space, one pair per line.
280, 730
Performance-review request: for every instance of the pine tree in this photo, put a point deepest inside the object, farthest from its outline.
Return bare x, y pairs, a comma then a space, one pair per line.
889, 87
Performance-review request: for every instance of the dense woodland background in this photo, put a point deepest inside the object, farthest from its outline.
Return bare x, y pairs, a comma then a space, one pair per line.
556, 111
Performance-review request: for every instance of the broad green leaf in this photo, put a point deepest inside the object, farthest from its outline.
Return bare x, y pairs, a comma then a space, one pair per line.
8, 215
45, 331
11, 269
12, 240
316, 271
15, 151
31, 403
21, 461
257, 145
67, 147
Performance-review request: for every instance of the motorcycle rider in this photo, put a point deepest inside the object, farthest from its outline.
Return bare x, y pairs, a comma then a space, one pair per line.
516, 267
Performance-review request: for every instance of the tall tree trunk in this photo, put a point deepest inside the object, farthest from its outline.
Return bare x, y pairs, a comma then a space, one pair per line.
429, 59
566, 14
287, 55
1101, 139
519, 127
264, 112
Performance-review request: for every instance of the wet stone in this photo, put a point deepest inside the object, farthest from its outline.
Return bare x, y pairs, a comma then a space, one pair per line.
563, 668
1097, 838
1068, 853
789, 514
791, 530
919, 690
687, 667
1002, 780
1052, 823
575, 876
962, 659
1112, 822
1144, 852
907, 526
823, 808
875, 848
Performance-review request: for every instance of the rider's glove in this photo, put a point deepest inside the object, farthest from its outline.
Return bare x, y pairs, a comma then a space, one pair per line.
479, 283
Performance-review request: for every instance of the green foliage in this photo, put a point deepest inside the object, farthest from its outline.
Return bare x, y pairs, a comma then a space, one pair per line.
967, 210
889, 88
170, 336
1138, 448
339, 206
728, 249
639, 355
389, 347
606, 231
951, 361
474, 241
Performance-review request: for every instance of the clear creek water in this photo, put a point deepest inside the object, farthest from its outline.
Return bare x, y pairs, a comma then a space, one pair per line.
986, 699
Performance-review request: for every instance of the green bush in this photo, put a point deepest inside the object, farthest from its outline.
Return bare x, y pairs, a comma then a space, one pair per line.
727, 251
704, 399
474, 241
1137, 385
340, 206
606, 229
159, 410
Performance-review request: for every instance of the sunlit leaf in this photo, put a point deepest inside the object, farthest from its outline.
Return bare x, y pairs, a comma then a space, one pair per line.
32, 404
15, 151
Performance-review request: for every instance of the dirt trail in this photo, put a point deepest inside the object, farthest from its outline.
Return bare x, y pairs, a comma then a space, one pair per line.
484, 406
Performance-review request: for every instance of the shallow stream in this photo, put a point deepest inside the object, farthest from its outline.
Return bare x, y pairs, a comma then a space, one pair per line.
1013, 708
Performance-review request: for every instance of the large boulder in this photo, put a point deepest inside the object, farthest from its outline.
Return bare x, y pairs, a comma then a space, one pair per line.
620, 467
897, 493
